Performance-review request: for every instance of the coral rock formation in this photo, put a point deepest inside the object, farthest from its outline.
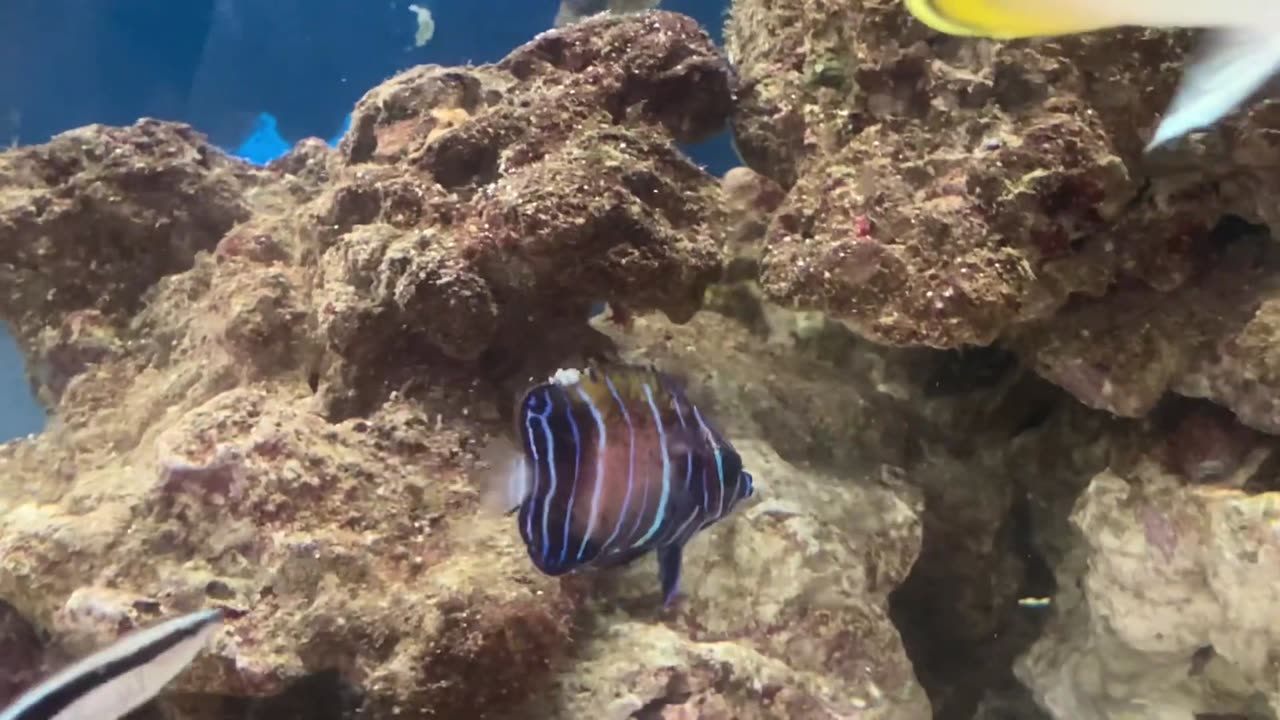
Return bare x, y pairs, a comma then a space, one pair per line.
1003, 383
572, 11
92, 220
957, 192
491, 199
948, 192
269, 387
942, 197
1212, 337
1167, 607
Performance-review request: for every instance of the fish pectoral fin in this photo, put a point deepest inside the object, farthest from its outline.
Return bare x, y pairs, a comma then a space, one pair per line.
504, 483
1229, 66
670, 557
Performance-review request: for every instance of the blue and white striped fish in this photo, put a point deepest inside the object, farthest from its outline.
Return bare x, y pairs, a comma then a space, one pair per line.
119, 678
614, 462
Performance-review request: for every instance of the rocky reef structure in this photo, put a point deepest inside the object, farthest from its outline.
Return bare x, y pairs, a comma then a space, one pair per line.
1005, 385
269, 387
991, 199
1168, 598
949, 193
571, 11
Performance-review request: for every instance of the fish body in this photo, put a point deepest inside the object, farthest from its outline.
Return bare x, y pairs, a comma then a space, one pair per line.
119, 678
426, 25
613, 463
1239, 54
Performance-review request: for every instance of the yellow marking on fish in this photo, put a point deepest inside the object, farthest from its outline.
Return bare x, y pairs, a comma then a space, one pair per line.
1005, 19
627, 380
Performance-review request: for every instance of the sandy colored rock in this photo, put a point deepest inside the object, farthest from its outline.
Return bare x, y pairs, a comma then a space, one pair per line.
92, 220
1167, 603
985, 444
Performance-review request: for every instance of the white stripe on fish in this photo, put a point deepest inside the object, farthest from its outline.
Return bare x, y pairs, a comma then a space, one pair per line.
119, 678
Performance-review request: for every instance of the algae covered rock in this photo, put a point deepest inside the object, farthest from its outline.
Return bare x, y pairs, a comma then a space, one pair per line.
1211, 337
989, 198
942, 312
1167, 601
953, 192
479, 201
572, 11
944, 195
282, 416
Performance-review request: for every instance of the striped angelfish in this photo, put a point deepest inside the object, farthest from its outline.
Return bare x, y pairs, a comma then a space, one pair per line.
119, 678
612, 462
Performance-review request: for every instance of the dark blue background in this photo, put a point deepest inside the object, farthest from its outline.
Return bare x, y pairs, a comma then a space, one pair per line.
217, 64
220, 64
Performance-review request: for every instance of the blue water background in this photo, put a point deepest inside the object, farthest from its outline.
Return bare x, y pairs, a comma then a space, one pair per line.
254, 75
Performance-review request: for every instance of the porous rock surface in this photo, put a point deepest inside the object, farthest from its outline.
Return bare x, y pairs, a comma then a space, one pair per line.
571, 11
956, 192
1167, 582
980, 196
269, 387
951, 192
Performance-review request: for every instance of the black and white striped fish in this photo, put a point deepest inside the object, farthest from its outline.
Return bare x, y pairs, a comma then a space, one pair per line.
612, 463
119, 678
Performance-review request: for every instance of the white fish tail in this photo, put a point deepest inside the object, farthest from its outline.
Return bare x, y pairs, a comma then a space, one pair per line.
1229, 67
504, 483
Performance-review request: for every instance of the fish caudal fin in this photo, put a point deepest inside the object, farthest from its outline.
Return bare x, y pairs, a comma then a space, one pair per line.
670, 558
504, 483
1230, 66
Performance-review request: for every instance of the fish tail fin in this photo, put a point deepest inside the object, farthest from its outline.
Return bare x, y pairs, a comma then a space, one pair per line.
1229, 67
504, 481
1007, 20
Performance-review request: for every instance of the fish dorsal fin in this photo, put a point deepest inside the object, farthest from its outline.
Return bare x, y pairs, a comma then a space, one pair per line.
608, 386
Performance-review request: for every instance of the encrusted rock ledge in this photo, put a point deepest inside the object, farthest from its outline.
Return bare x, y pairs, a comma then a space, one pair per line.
268, 387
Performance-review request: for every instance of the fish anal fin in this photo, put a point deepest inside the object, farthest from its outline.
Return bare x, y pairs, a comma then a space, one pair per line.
670, 558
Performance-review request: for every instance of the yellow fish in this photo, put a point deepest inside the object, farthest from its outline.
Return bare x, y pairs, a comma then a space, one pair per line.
1240, 53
